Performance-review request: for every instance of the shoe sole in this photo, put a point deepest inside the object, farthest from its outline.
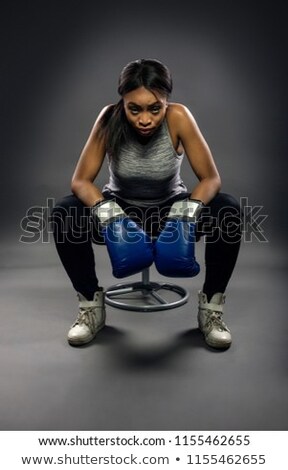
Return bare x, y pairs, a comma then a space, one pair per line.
87, 340
218, 346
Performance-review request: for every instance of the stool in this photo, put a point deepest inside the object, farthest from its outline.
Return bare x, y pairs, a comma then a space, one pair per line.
152, 295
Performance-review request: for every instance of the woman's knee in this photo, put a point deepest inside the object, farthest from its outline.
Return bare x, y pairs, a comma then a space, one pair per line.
69, 215
72, 218
223, 202
222, 217
66, 206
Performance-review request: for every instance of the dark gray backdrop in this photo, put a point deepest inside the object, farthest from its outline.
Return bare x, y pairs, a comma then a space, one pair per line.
60, 65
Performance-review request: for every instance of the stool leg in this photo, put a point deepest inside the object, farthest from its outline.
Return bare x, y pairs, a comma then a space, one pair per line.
145, 277
145, 282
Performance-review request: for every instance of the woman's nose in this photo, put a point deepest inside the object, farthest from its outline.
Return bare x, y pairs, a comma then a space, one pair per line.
145, 120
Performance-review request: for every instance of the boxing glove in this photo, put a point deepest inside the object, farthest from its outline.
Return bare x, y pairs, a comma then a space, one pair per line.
130, 249
174, 250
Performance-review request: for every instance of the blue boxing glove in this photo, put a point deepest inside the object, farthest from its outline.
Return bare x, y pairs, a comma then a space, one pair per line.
130, 249
174, 250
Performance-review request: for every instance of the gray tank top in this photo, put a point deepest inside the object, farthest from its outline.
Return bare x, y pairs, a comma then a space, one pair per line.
146, 174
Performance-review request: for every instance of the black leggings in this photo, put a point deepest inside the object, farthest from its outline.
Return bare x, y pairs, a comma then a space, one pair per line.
74, 233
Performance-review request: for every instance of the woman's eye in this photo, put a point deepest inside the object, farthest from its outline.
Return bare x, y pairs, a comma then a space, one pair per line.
155, 110
134, 110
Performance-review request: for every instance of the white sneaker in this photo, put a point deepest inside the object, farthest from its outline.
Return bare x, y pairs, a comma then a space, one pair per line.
91, 318
216, 333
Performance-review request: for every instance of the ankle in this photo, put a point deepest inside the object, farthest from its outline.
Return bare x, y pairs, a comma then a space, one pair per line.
89, 295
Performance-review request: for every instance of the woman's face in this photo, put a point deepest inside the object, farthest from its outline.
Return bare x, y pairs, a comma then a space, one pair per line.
145, 110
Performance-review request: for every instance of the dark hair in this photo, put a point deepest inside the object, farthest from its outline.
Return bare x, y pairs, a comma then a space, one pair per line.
151, 74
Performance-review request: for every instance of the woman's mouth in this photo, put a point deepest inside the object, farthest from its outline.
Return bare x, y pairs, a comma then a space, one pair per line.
145, 131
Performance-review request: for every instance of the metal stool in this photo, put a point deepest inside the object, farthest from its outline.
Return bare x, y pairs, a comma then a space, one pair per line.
150, 299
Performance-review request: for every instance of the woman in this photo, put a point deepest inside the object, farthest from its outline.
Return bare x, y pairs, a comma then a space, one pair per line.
144, 138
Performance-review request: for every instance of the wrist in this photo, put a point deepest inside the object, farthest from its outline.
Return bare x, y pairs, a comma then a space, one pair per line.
196, 200
186, 209
97, 202
106, 210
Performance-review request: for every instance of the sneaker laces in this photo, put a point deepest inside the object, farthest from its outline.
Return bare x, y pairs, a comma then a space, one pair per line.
214, 320
87, 317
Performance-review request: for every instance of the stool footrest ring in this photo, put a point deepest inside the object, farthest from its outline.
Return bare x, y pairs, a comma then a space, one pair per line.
152, 296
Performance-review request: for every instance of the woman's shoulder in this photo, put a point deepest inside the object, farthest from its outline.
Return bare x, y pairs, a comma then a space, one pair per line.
176, 111
176, 107
106, 109
178, 116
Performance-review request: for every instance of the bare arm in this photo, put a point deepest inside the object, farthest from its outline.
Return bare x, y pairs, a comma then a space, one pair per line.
88, 167
198, 154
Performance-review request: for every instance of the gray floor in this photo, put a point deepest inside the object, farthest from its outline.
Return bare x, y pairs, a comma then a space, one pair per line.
144, 370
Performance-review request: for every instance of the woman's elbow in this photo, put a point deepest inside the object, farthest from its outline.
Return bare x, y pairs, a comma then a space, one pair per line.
218, 183
76, 185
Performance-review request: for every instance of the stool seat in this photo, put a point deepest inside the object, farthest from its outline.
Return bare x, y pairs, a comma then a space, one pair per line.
145, 295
